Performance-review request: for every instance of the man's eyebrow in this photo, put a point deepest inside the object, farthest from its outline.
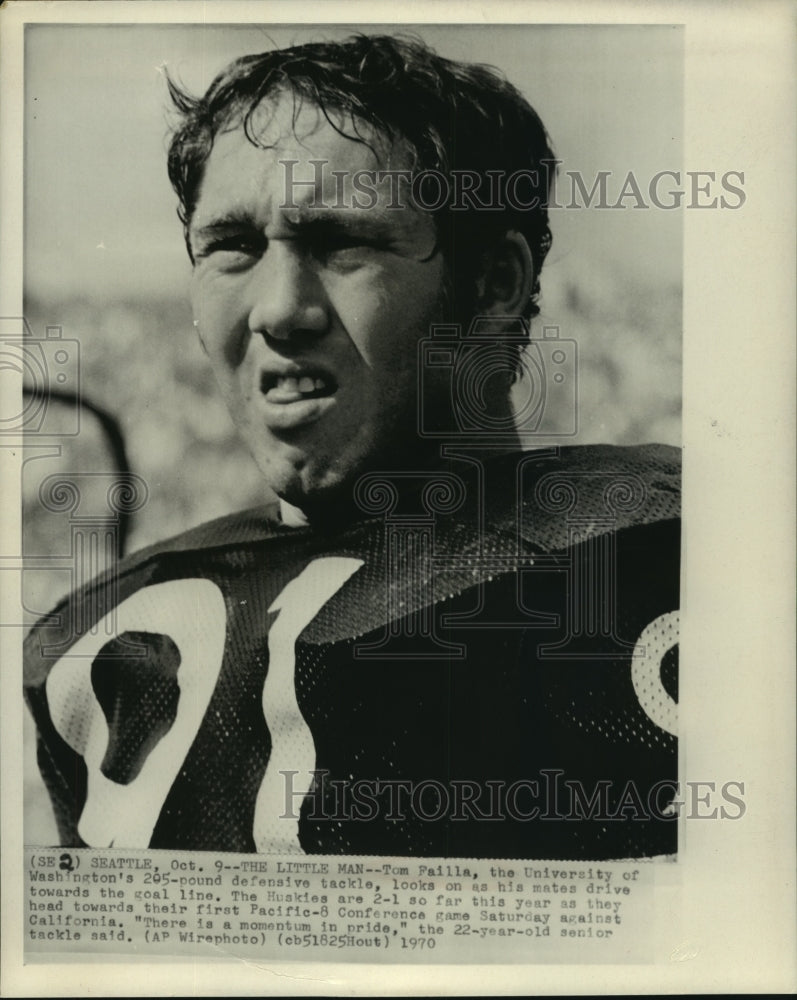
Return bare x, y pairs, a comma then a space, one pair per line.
220, 223
305, 220
342, 217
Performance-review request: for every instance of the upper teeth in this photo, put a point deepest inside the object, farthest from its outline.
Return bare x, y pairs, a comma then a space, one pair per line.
304, 384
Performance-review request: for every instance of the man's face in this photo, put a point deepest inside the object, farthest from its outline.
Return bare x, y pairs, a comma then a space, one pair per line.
311, 316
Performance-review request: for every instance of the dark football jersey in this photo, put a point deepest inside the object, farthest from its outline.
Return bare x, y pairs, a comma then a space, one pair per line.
483, 665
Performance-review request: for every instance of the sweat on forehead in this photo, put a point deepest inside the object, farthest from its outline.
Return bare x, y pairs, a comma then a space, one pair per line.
306, 172
315, 157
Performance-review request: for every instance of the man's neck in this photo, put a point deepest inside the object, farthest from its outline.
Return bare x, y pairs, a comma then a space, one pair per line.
408, 477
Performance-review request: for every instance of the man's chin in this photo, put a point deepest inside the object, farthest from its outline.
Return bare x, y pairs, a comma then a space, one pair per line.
314, 488
323, 489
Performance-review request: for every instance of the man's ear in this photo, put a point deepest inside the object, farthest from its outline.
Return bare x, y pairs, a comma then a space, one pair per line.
507, 277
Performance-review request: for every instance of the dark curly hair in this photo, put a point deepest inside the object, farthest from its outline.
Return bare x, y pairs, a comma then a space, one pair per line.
453, 117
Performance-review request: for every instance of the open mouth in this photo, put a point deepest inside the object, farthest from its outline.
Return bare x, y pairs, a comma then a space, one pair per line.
295, 388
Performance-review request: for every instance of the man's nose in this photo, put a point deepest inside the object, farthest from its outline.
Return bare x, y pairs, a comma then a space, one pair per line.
287, 296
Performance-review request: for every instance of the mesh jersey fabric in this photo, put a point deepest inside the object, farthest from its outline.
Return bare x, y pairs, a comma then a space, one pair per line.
483, 665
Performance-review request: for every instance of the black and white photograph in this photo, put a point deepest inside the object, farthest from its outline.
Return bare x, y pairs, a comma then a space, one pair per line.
351, 575
430, 635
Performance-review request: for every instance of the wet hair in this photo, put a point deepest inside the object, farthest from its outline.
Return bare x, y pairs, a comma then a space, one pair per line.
452, 116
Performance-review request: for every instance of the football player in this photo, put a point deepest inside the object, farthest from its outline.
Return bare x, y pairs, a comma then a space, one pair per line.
439, 644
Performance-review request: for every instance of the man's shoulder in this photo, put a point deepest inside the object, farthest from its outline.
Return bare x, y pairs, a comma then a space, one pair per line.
651, 471
243, 527
550, 499
232, 531
610, 486
593, 489
641, 458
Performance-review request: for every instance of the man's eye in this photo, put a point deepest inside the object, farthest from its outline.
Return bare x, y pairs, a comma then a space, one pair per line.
239, 246
346, 249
